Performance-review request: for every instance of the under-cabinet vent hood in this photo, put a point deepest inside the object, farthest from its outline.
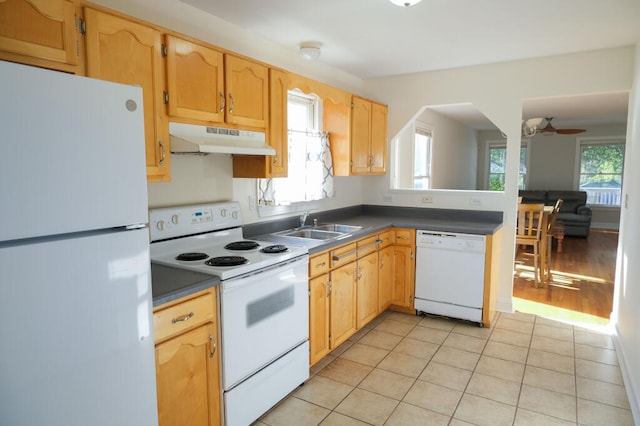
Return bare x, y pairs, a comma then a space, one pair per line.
195, 139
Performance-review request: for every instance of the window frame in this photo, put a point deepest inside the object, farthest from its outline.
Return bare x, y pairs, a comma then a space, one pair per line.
599, 140
500, 144
427, 130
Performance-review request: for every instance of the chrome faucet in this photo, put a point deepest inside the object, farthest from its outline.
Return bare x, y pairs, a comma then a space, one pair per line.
303, 218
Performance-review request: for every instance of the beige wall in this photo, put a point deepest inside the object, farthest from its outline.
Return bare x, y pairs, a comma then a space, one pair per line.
627, 296
498, 90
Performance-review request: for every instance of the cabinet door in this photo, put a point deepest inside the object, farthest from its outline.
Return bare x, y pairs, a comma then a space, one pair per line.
360, 136
385, 278
188, 380
126, 52
403, 276
247, 86
44, 29
195, 80
378, 150
343, 304
367, 293
318, 318
278, 132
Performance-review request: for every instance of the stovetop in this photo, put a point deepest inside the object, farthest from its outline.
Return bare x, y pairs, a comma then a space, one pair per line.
201, 233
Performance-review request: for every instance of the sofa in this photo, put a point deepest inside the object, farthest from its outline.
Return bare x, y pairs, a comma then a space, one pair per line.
574, 211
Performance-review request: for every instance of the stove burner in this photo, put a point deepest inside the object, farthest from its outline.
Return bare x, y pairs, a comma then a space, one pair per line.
227, 261
277, 248
190, 257
242, 245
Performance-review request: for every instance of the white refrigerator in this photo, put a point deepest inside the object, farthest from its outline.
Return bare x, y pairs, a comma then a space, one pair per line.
76, 337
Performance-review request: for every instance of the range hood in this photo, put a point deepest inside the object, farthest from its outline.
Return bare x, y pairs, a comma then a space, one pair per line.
195, 139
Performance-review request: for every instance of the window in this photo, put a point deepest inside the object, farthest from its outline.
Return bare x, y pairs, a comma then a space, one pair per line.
422, 144
498, 163
310, 170
600, 170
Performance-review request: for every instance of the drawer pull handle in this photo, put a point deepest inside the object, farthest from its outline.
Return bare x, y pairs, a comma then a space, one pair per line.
337, 258
402, 238
321, 265
184, 318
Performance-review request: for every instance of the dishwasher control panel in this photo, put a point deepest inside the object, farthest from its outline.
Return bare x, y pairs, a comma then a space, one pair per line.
451, 241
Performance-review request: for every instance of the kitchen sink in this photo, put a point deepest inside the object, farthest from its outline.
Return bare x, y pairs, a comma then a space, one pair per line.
314, 234
334, 227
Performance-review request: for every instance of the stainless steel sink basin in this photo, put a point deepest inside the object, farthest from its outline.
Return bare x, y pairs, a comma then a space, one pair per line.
334, 227
314, 234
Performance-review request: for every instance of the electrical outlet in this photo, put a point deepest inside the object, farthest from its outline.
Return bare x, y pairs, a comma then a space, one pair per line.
252, 202
475, 202
427, 199
387, 198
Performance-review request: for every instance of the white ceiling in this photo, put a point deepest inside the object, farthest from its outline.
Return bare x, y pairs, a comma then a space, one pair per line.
373, 38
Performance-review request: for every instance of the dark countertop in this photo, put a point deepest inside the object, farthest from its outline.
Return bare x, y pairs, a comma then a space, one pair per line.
169, 284
377, 218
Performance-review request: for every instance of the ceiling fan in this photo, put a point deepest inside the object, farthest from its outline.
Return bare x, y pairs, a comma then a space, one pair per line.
550, 129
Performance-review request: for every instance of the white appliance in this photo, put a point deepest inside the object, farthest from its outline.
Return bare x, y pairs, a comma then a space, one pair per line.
264, 301
450, 274
75, 297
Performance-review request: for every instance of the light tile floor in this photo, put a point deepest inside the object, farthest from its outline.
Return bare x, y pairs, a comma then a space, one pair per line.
410, 370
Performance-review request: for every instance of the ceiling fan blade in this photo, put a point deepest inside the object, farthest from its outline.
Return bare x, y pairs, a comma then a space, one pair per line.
569, 131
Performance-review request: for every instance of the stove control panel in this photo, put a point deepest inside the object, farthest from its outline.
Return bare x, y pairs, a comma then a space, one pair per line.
180, 221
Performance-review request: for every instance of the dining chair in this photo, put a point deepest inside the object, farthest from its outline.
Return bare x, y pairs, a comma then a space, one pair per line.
530, 220
550, 222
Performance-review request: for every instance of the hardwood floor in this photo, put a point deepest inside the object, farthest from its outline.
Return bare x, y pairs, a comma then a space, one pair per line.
581, 288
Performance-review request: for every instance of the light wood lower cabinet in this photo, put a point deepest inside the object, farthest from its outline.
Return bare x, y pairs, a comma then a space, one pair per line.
319, 294
349, 286
187, 361
367, 289
385, 278
404, 269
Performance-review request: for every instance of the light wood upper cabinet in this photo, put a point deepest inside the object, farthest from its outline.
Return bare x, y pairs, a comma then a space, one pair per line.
126, 52
270, 166
247, 88
378, 146
195, 80
40, 30
368, 137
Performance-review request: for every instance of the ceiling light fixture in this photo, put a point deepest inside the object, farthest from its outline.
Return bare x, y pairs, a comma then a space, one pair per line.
405, 3
310, 50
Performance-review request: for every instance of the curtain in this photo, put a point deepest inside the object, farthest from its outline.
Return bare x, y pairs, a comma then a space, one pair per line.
310, 172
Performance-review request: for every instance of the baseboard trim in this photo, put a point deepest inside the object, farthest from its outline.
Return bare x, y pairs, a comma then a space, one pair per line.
629, 384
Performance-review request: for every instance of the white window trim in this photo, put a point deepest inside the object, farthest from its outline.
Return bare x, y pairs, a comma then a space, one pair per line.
497, 143
596, 140
425, 127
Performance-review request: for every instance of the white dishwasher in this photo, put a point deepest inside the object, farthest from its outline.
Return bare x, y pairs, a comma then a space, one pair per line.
450, 274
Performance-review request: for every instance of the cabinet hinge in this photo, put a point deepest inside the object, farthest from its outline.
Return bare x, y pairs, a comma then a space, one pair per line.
165, 97
163, 50
81, 25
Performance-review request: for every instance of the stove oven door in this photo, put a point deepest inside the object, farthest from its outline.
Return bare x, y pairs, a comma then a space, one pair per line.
264, 316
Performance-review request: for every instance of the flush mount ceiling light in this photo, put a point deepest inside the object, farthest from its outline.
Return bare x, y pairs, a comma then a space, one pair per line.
309, 50
405, 3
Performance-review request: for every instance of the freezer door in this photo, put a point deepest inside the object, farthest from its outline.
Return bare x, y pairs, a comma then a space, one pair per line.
73, 153
77, 341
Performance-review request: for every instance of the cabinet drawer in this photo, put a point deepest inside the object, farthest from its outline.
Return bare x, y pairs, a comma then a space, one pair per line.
385, 238
405, 237
319, 264
343, 255
367, 245
177, 318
